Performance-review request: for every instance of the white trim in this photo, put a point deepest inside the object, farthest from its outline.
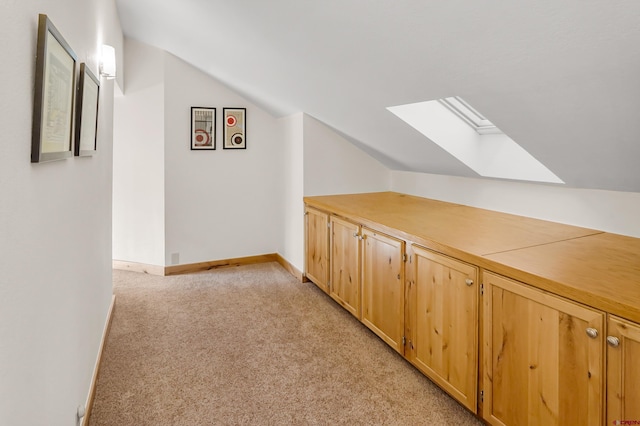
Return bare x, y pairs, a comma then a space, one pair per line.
470, 115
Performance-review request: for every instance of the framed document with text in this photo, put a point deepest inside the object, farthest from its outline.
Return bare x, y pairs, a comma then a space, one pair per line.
52, 128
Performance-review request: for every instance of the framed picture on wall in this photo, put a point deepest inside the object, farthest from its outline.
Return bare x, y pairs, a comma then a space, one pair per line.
203, 128
52, 126
86, 112
235, 128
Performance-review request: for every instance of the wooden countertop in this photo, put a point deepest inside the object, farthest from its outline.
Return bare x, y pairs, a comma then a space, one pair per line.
595, 268
602, 271
472, 230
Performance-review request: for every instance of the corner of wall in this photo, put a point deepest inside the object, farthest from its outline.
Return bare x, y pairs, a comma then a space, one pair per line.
333, 165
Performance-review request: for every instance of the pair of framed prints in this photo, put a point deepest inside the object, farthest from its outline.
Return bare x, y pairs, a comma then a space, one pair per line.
65, 114
203, 128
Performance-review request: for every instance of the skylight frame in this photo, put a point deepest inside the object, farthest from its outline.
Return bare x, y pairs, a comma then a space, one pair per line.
470, 115
453, 124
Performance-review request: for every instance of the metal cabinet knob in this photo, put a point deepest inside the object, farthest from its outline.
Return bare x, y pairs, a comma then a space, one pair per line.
592, 332
613, 341
469, 282
355, 234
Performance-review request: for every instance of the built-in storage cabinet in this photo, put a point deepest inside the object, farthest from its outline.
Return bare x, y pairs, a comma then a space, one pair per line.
383, 286
344, 286
317, 247
542, 357
623, 371
443, 317
491, 307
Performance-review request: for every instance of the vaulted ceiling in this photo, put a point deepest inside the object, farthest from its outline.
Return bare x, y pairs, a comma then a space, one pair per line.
562, 78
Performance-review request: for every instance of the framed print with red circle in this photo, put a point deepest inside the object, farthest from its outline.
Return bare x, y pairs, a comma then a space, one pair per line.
203, 128
235, 128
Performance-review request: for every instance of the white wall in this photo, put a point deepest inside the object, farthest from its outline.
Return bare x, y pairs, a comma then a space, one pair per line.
224, 203
138, 158
610, 211
292, 240
55, 226
332, 165
318, 161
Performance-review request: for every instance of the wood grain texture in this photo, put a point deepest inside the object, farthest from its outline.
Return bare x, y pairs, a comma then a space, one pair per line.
595, 268
383, 287
317, 247
623, 372
444, 339
138, 267
466, 229
288, 266
540, 367
344, 285
602, 271
215, 264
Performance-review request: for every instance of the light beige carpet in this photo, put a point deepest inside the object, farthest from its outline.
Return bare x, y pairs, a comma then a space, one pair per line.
251, 345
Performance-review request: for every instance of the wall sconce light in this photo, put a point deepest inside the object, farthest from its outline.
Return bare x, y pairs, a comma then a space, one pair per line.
108, 62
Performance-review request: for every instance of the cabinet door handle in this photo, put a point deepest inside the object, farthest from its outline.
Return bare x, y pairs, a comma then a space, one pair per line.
592, 332
355, 235
469, 282
613, 341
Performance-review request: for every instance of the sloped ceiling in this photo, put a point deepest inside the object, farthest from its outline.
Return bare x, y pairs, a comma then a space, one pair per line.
562, 78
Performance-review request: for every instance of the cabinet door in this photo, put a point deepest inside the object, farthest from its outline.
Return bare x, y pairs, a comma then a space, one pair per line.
383, 287
542, 359
317, 247
623, 371
444, 323
344, 286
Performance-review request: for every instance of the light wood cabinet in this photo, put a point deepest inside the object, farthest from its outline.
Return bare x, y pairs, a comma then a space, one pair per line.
623, 371
507, 314
443, 316
317, 247
542, 357
344, 286
383, 286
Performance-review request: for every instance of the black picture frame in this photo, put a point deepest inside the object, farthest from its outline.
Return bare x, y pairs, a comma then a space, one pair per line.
88, 96
235, 128
203, 129
53, 113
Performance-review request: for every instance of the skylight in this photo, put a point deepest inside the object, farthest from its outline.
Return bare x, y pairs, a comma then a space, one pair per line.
473, 118
466, 134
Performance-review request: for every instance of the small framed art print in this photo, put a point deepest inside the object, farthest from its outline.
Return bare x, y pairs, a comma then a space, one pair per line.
235, 128
203, 128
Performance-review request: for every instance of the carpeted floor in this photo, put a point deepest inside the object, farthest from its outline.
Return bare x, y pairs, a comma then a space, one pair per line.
251, 345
